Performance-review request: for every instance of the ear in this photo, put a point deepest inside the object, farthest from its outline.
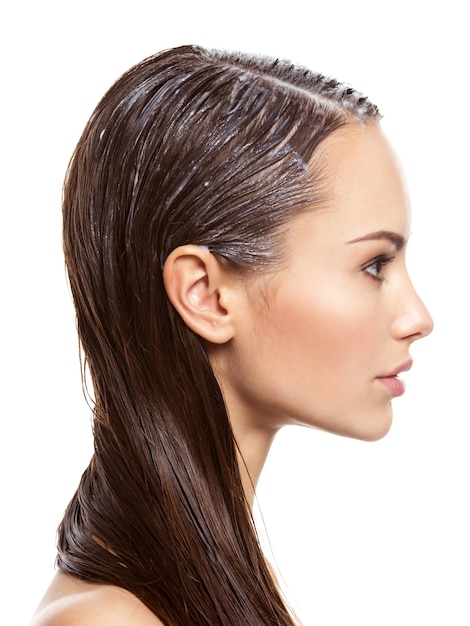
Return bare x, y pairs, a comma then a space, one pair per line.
198, 286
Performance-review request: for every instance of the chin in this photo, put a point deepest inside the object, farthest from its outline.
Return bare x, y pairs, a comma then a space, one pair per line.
368, 430
377, 430
376, 436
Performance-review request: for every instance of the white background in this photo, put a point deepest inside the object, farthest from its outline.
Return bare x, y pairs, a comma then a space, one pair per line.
364, 534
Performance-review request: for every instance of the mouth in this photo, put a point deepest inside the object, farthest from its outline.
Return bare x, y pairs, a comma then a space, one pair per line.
395, 385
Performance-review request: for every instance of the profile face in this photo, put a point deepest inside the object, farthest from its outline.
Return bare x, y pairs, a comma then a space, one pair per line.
320, 341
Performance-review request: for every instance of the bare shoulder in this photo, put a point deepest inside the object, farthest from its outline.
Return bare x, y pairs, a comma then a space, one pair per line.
71, 602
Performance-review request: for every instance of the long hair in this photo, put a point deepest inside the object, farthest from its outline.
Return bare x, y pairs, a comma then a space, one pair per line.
190, 146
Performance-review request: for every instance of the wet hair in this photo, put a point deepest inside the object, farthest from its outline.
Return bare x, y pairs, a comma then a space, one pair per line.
190, 146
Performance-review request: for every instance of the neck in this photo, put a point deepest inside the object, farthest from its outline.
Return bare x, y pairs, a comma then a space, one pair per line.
253, 433
253, 447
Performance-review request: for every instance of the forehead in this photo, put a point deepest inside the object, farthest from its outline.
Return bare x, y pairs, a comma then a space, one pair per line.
363, 192
365, 186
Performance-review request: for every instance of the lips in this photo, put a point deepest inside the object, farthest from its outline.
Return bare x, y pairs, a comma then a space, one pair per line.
391, 381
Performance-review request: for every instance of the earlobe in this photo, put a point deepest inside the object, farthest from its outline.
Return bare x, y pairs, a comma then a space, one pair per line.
197, 286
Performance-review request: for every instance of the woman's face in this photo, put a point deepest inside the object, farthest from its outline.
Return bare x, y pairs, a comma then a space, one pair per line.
320, 341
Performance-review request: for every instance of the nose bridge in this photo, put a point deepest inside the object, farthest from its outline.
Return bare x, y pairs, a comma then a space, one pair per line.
412, 319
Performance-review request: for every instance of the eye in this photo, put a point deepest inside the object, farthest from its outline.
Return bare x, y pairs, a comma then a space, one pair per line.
375, 267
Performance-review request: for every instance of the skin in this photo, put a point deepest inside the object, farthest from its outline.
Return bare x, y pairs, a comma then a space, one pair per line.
312, 340
71, 602
306, 344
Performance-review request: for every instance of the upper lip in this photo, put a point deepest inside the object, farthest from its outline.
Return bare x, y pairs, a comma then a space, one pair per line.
404, 367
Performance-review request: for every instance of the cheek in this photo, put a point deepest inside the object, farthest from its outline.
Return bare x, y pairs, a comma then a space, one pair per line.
308, 358
329, 330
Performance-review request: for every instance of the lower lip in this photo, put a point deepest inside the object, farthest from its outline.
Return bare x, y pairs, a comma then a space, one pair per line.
394, 384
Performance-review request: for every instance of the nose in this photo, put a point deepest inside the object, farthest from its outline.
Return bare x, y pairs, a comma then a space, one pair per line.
413, 320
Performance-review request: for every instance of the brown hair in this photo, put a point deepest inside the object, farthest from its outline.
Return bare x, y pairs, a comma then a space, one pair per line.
189, 146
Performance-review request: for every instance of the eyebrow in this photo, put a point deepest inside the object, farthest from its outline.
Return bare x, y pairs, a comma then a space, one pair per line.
398, 240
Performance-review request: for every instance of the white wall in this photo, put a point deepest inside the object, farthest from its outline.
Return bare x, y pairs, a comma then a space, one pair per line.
364, 534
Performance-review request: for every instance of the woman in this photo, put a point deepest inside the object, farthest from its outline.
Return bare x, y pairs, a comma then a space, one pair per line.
234, 232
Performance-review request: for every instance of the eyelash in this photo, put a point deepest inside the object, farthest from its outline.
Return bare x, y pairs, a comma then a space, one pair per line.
379, 263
